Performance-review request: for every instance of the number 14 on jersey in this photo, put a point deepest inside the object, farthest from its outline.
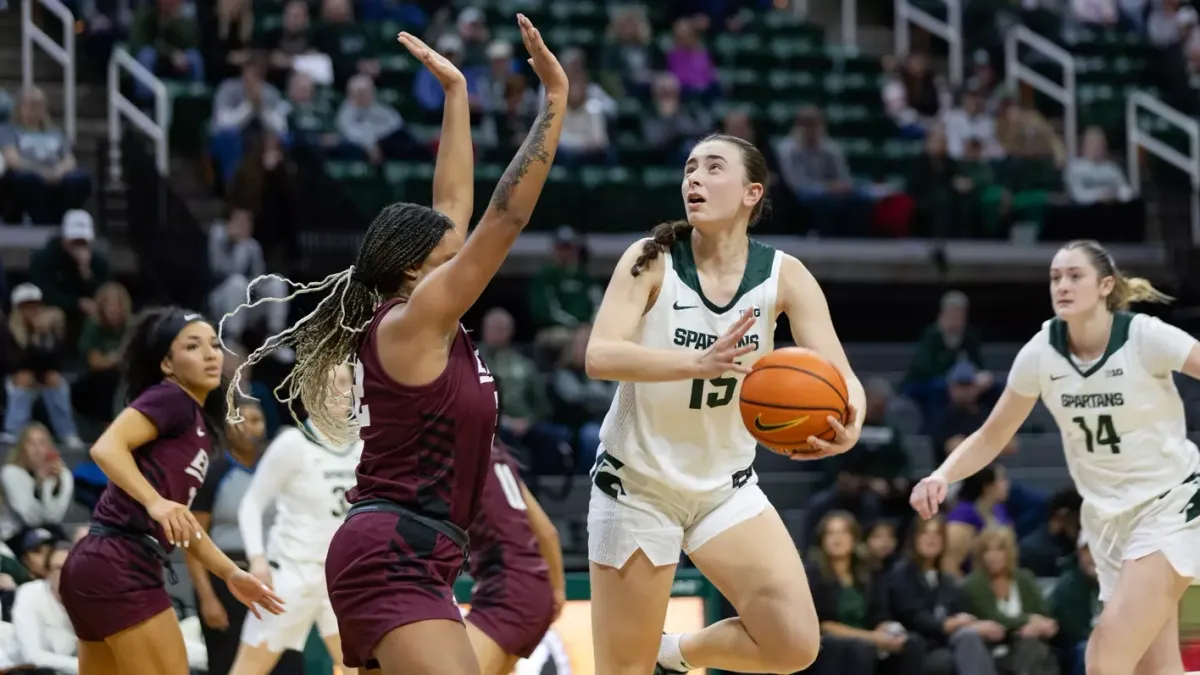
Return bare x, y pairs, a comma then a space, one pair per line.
1102, 433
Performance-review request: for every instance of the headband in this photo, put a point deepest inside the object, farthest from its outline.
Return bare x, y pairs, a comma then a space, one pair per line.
170, 326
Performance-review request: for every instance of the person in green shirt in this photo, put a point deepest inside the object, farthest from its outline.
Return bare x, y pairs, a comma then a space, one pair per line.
562, 295
943, 343
309, 117
94, 394
998, 590
1075, 604
165, 40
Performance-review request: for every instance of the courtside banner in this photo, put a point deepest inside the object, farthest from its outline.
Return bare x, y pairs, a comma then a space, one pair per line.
567, 648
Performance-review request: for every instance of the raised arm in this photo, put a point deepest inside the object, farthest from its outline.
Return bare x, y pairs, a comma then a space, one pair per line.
612, 353
454, 172
113, 453
448, 292
801, 298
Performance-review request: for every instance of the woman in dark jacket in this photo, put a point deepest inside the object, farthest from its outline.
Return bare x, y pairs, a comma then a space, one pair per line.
931, 603
857, 635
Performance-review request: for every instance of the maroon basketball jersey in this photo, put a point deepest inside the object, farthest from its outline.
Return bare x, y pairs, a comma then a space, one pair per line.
426, 448
175, 462
501, 538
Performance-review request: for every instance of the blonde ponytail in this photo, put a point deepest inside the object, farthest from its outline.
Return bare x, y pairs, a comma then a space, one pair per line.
1129, 290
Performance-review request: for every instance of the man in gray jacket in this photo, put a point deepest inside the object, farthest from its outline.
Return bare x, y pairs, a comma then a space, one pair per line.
376, 129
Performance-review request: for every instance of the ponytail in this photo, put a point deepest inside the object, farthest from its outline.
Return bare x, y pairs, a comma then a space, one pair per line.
1129, 290
662, 238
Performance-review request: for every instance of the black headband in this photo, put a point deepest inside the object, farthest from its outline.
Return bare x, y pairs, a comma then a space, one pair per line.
168, 327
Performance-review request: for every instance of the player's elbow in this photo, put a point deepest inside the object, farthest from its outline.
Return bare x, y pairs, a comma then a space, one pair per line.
594, 360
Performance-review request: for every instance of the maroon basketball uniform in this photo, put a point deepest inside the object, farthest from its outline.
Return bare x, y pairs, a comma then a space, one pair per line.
114, 581
426, 452
512, 602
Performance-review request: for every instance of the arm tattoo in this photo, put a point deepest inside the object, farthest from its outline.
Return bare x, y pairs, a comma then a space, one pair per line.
533, 149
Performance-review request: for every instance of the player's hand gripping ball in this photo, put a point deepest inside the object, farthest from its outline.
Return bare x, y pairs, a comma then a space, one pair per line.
789, 396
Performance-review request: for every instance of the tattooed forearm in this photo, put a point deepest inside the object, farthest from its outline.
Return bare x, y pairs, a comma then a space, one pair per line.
532, 150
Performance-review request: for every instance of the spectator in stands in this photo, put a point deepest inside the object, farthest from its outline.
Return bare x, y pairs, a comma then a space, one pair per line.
1093, 177
998, 590
847, 493
922, 90
689, 61
1075, 605
584, 137
375, 130
881, 543
39, 335
12, 575
345, 41
165, 41
739, 124
672, 127
985, 203
32, 548
929, 602
510, 123
931, 181
473, 32
815, 170
494, 84
580, 402
574, 63
980, 506
1169, 24
1102, 13
406, 13
44, 632
629, 58
232, 47
293, 38
95, 392
428, 91
241, 104
309, 121
970, 122
945, 342
1024, 133
69, 269
895, 101
43, 178
524, 407
265, 183
880, 456
964, 414
562, 294
857, 634
236, 258
1047, 550
37, 486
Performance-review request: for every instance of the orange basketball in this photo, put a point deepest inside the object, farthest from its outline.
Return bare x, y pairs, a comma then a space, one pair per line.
787, 397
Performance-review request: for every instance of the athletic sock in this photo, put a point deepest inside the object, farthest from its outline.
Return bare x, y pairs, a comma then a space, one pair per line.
669, 654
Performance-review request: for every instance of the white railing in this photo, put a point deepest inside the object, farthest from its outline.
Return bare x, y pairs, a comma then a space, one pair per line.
63, 53
849, 19
949, 30
120, 107
1137, 139
1065, 93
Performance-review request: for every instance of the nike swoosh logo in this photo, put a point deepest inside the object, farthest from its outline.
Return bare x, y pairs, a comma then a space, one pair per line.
199, 431
1053, 378
678, 306
767, 428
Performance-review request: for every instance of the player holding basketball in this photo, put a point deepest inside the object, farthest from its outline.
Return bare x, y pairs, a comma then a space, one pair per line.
155, 453
517, 565
1106, 376
686, 314
424, 403
306, 476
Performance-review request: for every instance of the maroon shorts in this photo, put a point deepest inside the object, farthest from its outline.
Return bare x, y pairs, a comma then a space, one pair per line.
384, 572
513, 609
110, 584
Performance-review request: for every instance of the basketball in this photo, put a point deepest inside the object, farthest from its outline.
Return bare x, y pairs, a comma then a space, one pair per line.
787, 397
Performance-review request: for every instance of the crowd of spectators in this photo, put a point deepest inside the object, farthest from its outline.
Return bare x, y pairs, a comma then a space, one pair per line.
39, 177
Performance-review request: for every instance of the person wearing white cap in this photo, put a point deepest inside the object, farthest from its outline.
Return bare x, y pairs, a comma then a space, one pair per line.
69, 270
38, 332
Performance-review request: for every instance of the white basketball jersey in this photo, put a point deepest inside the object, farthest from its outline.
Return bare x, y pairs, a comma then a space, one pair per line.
689, 434
312, 502
1121, 418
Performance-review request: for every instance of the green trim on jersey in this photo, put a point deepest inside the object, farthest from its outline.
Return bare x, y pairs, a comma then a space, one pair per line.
758, 270
1117, 337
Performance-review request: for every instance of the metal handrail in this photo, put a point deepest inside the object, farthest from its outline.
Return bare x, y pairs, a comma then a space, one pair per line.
949, 30
63, 53
1137, 139
1066, 93
121, 107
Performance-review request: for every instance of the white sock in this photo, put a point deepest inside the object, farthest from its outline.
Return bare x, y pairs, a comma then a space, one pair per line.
669, 654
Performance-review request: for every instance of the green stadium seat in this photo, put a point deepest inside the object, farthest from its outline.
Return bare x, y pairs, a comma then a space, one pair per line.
360, 182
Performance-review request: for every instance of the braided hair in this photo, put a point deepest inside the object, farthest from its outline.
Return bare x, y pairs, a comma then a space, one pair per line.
395, 245
664, 235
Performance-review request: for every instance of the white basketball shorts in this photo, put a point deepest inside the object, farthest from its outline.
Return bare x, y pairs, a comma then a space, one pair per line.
1169, 523
301, 586
663, 524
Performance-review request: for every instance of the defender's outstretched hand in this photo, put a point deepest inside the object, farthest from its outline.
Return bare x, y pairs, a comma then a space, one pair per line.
544, 63
445, 72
